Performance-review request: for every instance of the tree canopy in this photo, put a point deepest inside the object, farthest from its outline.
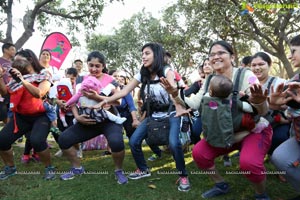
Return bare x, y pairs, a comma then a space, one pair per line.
47, 15
188, 28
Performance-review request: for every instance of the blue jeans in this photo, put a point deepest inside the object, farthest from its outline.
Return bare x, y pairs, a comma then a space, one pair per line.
50, 111
140, 134
196, 129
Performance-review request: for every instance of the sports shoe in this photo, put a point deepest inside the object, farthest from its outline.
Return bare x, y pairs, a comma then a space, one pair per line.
122, 179
25, 159
59, 153
106, 153
138, 174
72, 173
227, 161
184, 184
263, 196
8, 172
154, 157
54, 130
218, 189
49, 173
35, 157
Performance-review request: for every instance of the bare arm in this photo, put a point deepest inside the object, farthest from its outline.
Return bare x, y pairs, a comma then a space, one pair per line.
3, 89
39, 91
122, 93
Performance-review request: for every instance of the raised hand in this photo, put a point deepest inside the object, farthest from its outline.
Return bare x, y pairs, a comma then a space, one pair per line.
257, 94
85, 119
168, 87
294, 91
280, 96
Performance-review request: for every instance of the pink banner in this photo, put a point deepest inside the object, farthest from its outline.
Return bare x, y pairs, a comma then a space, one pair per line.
59, 46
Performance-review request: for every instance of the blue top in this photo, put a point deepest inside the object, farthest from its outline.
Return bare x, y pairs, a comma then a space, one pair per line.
127, 105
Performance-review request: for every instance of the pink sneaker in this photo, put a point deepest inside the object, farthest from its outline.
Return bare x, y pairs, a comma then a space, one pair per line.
35, 157
25, 159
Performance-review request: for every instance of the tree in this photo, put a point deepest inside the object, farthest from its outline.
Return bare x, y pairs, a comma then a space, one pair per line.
268, 26
123, 48
72, 15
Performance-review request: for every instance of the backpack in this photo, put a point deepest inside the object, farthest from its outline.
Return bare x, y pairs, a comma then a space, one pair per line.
64, 89
221, 118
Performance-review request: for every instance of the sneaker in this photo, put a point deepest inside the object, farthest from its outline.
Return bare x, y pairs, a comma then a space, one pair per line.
20, 140
25, 159
122, 179
49, 173
216, 190
227, 161
106, 153
263, 196
138, 174
72, 173
184, 184
54, 130
8, 172
35, 157
59, 153
154, 157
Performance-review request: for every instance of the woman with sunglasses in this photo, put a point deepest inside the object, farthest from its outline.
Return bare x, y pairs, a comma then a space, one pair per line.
87, 128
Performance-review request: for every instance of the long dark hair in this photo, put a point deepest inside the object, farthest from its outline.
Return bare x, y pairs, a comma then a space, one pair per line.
156, 68
32, 58
158, 62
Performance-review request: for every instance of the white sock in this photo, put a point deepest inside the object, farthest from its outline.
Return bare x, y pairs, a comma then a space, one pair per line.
115, 118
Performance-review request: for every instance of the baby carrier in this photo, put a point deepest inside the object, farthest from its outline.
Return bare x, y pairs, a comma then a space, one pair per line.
64, 89
221, 118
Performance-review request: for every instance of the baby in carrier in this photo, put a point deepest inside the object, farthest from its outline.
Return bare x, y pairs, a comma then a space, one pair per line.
64, 92
85, 104
218, 108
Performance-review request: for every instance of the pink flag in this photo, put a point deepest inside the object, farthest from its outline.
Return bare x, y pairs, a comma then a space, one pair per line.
59, 46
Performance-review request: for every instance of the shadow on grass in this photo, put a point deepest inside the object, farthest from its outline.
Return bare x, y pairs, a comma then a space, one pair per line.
100, 183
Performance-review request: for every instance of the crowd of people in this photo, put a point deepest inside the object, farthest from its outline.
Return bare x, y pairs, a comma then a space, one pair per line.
232, 108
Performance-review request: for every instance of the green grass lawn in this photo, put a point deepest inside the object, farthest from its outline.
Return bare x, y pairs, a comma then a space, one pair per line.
100, 183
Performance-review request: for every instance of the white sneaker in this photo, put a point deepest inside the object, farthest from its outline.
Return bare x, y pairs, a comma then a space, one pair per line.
59, 153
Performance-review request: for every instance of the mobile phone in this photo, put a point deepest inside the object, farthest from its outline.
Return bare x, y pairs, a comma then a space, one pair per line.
14, 76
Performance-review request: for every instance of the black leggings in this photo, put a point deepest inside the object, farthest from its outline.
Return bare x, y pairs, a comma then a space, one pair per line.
36, 129
79, 133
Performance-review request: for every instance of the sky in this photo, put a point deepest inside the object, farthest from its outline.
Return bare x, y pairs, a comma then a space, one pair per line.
112, 14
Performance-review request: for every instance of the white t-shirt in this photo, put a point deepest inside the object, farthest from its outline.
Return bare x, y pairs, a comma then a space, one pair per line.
55, 78
157, 93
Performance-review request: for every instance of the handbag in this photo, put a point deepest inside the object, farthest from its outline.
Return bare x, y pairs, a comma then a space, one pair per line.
158, 128
158, 131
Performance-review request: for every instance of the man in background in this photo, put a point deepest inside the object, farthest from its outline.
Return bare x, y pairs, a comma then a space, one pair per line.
8, 51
